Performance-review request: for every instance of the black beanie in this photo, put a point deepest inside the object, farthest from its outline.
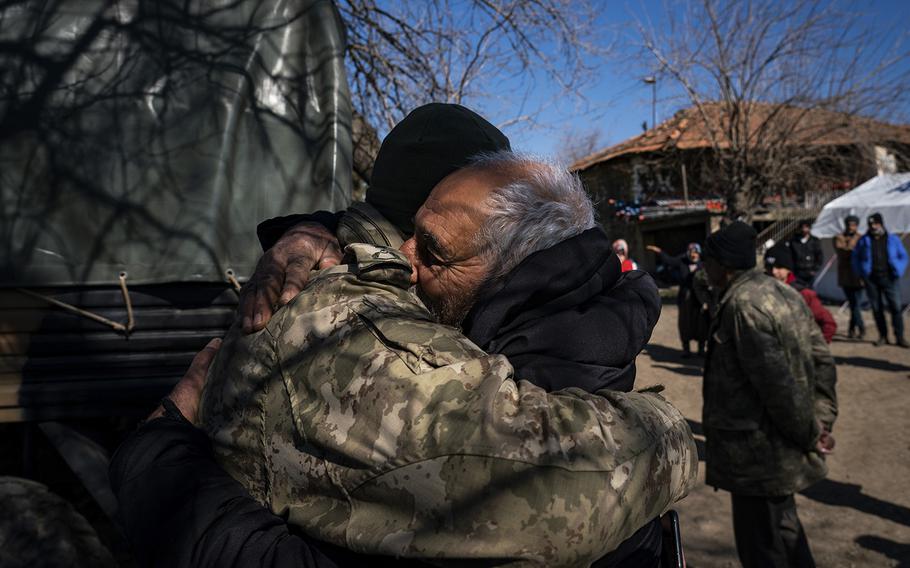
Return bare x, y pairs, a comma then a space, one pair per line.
733, 246
850, 218
779, 256
876, 218
430, 143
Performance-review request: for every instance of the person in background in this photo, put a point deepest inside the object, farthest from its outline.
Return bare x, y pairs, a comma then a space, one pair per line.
807, 254
881, 259
692, 300
769, 402
621, 248
847, 278
779, 264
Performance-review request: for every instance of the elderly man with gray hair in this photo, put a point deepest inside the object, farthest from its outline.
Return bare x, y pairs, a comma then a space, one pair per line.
508, 250
370, 422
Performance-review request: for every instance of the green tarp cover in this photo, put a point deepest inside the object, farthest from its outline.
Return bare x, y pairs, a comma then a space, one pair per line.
150, 137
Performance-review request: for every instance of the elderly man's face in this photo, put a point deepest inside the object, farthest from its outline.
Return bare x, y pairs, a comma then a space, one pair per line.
448, 267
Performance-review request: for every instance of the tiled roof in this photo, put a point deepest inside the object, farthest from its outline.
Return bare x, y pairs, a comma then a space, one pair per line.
687, 130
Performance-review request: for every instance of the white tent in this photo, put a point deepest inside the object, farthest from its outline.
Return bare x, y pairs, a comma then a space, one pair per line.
886, 194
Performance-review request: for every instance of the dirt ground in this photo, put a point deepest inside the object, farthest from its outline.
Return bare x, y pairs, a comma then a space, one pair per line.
859, 515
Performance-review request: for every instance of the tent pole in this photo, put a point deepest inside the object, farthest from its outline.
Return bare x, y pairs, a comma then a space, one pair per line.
824, 270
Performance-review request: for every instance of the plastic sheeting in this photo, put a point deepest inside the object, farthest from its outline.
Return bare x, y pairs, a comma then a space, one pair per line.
150, 137
886, 194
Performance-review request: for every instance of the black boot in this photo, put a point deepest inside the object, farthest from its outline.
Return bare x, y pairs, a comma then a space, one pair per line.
901, 342
882, 340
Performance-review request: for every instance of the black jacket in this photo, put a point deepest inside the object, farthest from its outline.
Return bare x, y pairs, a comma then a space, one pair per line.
807, 257
679, 272
567, 317
179, 508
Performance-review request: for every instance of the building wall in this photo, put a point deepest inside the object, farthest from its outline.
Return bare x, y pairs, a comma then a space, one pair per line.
648, 177
611, 180
659, 176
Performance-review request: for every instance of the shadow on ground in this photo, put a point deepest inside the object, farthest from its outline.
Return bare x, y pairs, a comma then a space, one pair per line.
879, 364
688, 371
686, 366
894, 550
840, 494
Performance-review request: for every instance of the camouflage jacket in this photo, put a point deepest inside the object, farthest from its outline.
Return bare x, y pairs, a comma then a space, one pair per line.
372, 427
769, 380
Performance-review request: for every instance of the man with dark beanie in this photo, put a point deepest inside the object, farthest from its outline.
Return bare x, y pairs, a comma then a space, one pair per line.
881, 259
430, 143
769, 401
633, 298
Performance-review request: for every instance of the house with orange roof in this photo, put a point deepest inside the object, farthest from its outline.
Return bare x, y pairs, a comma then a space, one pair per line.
804, 156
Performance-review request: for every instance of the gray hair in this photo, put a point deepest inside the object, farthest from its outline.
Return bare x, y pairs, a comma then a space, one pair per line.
541, 204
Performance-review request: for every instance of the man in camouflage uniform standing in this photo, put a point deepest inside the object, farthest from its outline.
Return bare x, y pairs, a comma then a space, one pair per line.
769, 401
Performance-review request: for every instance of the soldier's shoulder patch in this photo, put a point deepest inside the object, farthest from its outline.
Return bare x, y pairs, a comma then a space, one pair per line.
379, 264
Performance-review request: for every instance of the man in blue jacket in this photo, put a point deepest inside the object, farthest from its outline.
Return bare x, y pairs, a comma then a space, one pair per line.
880, 259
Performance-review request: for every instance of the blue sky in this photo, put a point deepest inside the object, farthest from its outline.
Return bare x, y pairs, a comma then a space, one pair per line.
617, 101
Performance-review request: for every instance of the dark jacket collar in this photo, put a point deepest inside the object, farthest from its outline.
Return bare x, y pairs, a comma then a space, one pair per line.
558, 277
567, 316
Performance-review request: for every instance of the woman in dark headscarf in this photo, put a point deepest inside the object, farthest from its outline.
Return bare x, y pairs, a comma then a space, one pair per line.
693, 299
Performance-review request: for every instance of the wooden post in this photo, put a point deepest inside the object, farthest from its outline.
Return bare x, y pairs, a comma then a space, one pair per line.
685, 186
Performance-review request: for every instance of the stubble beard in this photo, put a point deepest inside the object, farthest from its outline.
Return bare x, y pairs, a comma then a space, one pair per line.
451, 309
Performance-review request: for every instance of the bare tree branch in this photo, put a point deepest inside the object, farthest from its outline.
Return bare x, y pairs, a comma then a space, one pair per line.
760, 73
404, 54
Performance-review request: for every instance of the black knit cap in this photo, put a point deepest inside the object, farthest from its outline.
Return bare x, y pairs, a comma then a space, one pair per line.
733, 246
779, 256
851, 218
433, 141
876, 218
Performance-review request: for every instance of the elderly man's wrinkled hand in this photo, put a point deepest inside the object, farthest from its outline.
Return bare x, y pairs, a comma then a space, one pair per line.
187, 392
284, 270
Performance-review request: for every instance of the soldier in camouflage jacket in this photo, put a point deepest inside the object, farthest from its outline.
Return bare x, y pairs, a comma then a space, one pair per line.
768, 395
370, 426
768, 390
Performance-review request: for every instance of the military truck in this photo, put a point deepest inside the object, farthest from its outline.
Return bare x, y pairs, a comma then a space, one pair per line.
140, 145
